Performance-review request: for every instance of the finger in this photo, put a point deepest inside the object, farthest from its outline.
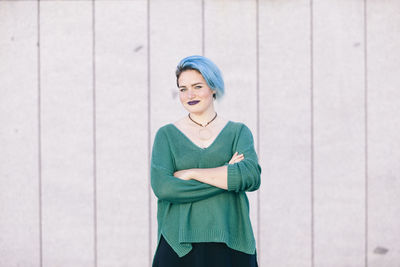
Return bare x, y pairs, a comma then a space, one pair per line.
236, 158
233, 160
239, 158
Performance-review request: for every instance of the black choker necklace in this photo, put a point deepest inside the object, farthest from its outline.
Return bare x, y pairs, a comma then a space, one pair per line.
201, 124
204, 133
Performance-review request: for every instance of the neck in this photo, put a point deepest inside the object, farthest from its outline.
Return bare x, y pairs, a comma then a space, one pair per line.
204, 117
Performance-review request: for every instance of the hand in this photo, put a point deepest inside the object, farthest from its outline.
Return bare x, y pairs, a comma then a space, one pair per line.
183, 174
236, 158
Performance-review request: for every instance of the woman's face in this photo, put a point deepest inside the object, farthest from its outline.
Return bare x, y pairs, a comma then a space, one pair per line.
194, 93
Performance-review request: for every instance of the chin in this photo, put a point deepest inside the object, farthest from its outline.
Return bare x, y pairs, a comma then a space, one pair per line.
195, 110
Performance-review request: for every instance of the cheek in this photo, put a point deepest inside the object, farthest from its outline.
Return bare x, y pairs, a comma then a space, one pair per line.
181, 97
205, 94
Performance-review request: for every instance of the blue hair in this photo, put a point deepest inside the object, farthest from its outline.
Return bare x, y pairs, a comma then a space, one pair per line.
210, 72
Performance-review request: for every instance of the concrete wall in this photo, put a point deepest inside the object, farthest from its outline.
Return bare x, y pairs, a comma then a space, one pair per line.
84, 86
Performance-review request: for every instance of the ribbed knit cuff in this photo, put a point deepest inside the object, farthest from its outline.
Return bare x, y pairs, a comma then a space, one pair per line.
233, 177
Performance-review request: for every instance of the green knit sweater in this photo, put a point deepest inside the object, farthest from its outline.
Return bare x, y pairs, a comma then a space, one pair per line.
191, 211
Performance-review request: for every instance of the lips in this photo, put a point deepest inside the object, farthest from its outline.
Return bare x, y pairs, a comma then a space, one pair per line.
193, 102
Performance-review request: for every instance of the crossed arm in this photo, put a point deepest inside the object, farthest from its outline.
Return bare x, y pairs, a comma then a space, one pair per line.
195, 184
217, 177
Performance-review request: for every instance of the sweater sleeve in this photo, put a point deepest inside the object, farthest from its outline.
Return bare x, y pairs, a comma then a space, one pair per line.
168, 187
245, 175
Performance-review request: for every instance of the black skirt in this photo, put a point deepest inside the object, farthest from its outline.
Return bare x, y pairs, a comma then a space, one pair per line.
207, 254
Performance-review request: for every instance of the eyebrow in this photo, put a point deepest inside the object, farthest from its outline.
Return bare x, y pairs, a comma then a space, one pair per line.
192, 84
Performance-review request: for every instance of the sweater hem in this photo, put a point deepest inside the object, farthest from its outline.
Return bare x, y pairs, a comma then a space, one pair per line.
180, 249
245, 245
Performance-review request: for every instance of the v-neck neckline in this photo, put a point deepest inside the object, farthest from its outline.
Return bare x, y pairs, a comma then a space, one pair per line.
194, 144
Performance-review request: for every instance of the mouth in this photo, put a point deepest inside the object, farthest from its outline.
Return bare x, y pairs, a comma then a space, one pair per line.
193, 102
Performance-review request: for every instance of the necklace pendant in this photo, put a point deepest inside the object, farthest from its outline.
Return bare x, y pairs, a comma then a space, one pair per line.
205, 134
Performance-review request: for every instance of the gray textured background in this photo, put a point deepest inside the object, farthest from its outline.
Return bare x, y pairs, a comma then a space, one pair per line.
84, 86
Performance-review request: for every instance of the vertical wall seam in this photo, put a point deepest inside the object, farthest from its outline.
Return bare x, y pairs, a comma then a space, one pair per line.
203, 33
39, 119
312, 127
258, 124
149, 132
366, 130
94, 132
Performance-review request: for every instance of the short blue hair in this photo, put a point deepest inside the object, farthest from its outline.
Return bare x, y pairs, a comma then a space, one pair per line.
210, 72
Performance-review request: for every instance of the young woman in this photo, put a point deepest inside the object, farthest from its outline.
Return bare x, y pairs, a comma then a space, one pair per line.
201, 167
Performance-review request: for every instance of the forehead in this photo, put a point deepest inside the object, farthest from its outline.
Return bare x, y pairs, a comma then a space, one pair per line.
189, 77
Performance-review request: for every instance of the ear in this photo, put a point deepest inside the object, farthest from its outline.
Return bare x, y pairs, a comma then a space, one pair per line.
214, 95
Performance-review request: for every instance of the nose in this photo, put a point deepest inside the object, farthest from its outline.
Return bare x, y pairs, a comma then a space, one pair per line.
190, 94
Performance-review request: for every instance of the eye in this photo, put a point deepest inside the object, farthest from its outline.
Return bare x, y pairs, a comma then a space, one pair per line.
197, 87
182, 89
